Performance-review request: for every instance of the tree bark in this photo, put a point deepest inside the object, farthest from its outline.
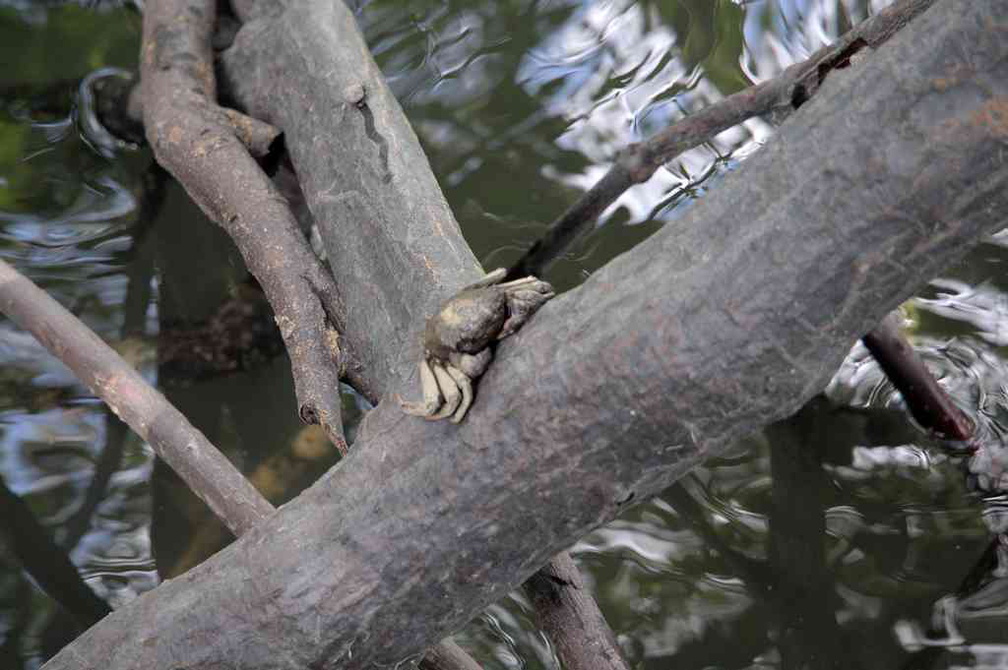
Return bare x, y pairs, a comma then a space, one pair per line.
927, 401
403, 211
393, 244
728, 318
570, 617
207, 148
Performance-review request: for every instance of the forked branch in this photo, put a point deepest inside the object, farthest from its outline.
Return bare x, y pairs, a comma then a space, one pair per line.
209, 150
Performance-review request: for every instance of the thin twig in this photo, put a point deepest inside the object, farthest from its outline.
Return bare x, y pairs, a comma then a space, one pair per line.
570, 617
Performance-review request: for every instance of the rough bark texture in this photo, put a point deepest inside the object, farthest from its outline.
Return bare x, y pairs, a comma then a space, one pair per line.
728, 318
207, 471
206, 148
571, 619
927, 401
387, 229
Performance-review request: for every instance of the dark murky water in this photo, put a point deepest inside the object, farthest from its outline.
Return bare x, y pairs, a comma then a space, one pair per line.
845, 539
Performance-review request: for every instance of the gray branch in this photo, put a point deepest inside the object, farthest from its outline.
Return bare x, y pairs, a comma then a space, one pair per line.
206, 471
728, 318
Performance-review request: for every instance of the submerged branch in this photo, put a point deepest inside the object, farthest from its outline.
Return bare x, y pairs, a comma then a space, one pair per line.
928, 402
48, 564
570, 617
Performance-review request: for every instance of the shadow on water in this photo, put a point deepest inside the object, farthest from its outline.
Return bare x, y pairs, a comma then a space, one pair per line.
842, 537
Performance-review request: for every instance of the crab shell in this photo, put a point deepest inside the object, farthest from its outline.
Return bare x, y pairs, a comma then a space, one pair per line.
452, 329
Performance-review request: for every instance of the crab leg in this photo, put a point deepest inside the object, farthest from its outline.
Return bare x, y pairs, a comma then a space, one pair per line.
431, 393
465, 386
449, 390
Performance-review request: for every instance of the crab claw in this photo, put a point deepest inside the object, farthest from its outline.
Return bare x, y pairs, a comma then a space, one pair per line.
524, 298
465, 387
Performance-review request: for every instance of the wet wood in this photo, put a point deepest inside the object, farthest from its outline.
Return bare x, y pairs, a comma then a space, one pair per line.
728, 318
928, 402
570, 617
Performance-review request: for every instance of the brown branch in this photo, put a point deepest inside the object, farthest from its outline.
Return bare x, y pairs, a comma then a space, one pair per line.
184, 448
570, 617
207, 149
928, 402
782, 94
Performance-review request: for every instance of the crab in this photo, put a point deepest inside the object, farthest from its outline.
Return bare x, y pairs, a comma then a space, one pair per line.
456, 342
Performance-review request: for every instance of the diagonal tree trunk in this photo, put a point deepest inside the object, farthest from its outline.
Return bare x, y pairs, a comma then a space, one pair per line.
728, 318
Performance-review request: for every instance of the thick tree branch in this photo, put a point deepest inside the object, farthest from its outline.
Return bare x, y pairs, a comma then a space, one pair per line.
207, 149
387, 229
729, 317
